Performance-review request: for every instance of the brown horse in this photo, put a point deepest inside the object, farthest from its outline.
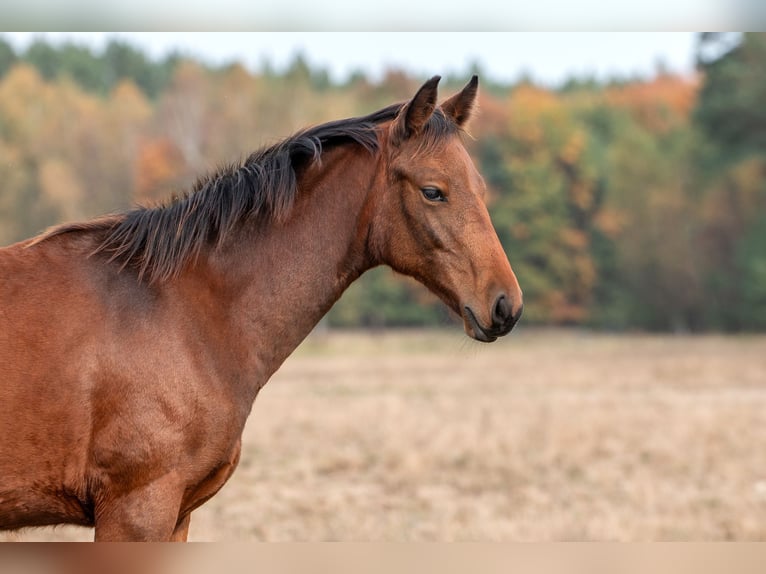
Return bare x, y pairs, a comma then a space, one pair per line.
133, 346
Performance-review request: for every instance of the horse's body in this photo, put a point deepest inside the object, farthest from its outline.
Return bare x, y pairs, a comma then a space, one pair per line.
132, 347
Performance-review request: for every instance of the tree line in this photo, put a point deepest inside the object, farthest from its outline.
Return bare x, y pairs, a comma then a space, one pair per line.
632, 204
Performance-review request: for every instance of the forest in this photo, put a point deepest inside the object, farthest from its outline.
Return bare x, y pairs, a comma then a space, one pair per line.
628, 204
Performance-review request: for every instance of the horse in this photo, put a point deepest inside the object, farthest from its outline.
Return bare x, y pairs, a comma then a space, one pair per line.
132, 346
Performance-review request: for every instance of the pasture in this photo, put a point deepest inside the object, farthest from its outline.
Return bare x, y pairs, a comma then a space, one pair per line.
544, 435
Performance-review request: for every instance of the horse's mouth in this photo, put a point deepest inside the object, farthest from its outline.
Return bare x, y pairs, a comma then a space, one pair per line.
474, 328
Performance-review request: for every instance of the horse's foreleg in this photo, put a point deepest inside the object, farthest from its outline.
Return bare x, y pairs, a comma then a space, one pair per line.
148, 513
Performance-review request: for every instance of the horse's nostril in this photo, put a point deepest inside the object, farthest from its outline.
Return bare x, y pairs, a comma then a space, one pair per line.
501, 312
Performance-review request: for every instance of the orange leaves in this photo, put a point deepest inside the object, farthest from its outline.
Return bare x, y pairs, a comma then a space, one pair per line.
531, 100
159, 166
529, 108
573, 147
61, 187
574, 239
129, 104
596, 192
561, 310
491, 117
24, 105
72, 152
551, 211
610, 222
660, 104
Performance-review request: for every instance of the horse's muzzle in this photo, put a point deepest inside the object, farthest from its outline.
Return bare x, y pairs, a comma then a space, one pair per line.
503, 320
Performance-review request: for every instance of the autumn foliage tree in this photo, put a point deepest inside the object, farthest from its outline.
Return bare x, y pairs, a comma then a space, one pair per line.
638, 204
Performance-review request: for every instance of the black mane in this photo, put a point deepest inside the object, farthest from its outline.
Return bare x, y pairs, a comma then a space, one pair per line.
158, 241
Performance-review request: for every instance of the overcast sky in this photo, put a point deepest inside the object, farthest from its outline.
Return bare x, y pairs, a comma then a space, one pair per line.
549, 58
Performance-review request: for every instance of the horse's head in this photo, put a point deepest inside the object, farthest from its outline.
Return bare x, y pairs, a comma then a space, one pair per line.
431, 222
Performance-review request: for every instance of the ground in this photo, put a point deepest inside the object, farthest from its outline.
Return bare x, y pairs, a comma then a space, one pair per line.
544, 435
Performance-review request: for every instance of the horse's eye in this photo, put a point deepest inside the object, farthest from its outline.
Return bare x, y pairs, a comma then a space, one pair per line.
433, 194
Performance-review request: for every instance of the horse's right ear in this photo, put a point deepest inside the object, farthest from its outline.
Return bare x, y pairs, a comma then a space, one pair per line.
417, 111
460, 106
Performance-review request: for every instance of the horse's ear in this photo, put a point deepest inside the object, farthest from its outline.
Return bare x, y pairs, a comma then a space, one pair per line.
417, 111
460, 106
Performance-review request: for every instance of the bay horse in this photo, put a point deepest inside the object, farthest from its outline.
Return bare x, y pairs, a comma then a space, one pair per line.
132, 346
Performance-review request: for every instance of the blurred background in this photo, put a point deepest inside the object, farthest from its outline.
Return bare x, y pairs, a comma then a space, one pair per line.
627, 181
627, 173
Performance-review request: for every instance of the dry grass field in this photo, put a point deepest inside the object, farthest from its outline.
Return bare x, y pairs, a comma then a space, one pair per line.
546, 435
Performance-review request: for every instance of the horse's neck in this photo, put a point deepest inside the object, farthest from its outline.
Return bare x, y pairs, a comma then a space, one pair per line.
284, 277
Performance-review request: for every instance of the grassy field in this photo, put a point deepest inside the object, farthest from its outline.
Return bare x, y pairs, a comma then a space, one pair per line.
546, 435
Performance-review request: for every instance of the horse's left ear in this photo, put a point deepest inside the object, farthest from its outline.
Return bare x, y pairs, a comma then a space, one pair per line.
417, 111
460, 106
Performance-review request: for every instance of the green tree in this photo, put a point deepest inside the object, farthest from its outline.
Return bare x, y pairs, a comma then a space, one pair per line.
544, 174
81, 65
124, 61
7, 57
44, 57
731, 107
382, 299
751, 264
731, 115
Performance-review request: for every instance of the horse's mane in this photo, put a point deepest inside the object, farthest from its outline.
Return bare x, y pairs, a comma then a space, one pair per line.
157, 241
